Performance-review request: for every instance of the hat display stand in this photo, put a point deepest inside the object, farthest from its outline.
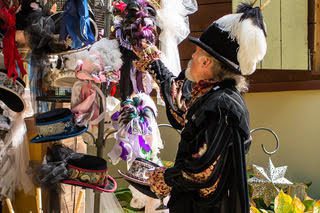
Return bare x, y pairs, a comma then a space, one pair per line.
56, 100
101, 132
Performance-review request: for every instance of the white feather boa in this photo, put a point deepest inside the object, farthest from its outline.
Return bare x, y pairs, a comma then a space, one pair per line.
15, 161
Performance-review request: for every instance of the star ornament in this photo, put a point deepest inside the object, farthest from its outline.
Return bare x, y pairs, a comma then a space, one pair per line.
266, 181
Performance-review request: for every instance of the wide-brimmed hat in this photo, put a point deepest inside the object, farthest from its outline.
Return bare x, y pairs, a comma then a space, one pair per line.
57, 18
11, 92
66, 166
137, 175
63, 65
237, 40
43, 34
98, 62
56, 125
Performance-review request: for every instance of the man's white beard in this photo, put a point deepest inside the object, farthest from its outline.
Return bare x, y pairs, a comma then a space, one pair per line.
188, 72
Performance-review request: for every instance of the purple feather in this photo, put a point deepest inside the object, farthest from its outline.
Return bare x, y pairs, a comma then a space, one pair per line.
115, 116
124, 151
143, 144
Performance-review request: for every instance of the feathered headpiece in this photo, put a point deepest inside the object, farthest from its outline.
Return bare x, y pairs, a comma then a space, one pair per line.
137, 131
136, 23
237, 40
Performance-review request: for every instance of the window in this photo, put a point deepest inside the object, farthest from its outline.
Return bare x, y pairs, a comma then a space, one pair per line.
293, 58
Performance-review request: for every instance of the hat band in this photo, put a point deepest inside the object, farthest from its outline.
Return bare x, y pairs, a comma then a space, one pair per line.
10, 84
138, 170
94, 177
55, 128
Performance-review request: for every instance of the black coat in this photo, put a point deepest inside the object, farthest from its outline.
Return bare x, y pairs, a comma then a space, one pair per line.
220, 119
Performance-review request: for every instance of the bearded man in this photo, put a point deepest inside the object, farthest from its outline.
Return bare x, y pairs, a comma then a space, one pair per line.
206, 102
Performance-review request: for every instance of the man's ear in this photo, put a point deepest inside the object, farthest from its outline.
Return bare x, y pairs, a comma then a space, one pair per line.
206, 62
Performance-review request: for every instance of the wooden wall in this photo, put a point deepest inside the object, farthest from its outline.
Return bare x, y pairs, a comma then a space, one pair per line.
208, 11
287, 26
287, 34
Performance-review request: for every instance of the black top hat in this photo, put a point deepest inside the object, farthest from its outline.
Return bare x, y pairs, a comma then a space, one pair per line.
56, 125
11, 92
237, 40
66, 166
90, 172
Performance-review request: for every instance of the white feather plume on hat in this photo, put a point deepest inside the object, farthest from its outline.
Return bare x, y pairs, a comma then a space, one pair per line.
248, 28
253, 46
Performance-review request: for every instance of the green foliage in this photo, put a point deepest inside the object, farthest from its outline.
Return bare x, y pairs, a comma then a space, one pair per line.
124, 197
284, 203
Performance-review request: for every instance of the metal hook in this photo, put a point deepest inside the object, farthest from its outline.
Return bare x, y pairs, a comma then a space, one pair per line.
107, 134
92, 136
274, 134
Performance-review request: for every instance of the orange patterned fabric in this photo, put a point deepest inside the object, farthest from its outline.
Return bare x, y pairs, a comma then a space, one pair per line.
182, 105
201, 176
208, 191
157, 183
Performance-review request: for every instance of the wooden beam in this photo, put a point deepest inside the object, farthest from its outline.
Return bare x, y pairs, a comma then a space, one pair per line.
285, 86
279, 80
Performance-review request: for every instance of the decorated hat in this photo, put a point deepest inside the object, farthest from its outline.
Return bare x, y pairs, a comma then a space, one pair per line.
237, 40
62, 67
66, 166
59, 23
137, 133
56, 125
48, 34
11, 92
135, 24
137, 175
90, 172
101, 62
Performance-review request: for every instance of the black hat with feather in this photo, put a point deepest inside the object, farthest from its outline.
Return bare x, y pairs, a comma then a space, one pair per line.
237, 40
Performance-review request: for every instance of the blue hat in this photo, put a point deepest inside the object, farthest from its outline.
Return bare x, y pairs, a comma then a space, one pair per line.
56, 125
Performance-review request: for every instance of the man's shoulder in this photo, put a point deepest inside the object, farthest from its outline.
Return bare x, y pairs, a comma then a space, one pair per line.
225, 100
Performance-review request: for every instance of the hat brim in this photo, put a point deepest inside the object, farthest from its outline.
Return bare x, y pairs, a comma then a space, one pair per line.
111, 185
128, 178
11, 99
143, 189
141, 186
234, 67
78, 130
64, 81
